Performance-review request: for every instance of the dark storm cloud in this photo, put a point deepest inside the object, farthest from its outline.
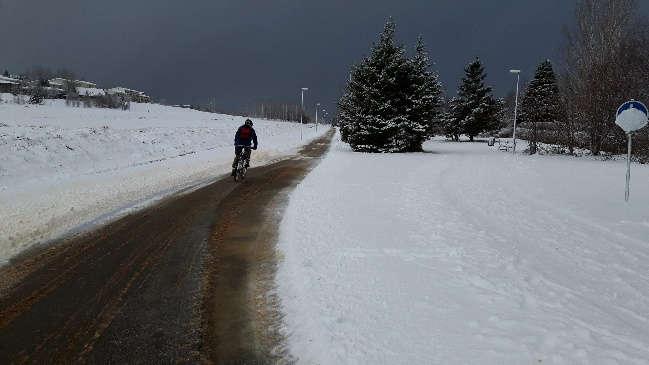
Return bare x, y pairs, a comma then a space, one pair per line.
244, 51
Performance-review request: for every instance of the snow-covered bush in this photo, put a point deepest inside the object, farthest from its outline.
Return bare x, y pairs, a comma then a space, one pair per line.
37, 95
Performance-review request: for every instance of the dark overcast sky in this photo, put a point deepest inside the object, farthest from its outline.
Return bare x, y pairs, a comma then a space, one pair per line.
245, 51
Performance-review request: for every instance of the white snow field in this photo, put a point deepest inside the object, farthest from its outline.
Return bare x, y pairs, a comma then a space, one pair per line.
65, 168
466, 255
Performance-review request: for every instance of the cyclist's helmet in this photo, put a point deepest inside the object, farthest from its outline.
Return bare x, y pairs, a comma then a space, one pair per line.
249, 122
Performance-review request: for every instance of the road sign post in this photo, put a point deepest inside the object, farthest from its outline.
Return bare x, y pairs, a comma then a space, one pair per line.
631, 116
628, 168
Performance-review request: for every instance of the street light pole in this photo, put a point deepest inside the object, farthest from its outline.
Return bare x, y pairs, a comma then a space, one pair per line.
302, 112
316, 116
518, 79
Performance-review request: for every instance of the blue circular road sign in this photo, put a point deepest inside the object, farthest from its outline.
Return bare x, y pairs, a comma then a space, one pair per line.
632, 116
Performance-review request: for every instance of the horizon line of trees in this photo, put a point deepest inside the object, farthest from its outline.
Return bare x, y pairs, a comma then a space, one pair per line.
393, 103
280, 111
266, 110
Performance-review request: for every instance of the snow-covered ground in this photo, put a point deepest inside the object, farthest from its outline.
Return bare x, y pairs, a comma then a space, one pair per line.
64, 167
466, 255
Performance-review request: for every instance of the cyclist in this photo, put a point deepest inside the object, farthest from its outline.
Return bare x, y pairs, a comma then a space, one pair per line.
244, 137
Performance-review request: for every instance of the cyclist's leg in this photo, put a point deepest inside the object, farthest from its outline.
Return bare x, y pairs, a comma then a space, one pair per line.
248, 151
237, 151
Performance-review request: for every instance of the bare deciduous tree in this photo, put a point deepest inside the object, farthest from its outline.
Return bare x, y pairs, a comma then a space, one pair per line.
279, 111
606, 63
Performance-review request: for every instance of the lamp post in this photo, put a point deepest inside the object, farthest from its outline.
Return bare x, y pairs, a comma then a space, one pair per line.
518, 79
317, 105
302, 111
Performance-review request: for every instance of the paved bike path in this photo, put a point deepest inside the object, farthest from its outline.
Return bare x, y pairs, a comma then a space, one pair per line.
185, 281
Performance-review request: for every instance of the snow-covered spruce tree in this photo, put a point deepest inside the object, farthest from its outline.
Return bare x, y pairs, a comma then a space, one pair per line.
372, 109
541, 104
452, 126
475, 108
427, 101
391, 102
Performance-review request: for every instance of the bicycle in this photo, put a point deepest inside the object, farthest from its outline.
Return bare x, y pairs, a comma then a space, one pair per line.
242, 163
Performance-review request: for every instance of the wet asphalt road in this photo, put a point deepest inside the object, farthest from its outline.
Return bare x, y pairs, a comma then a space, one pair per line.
185, 281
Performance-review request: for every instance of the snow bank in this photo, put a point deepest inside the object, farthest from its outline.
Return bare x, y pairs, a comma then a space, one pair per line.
466, 255
62, 167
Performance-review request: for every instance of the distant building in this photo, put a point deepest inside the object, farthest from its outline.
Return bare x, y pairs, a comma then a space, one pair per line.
58, 83
130, 94
8, 84
90, 92
61, 83
54, 93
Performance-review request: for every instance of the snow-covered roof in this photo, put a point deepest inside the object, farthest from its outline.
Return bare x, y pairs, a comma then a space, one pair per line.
118, 90
124, 90
90, 91
59, 81
87, 84
9, 80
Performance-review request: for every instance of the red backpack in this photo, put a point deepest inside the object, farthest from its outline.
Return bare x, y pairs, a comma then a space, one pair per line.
245, 132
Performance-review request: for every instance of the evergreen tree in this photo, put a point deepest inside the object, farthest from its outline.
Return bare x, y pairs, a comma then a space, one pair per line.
6, 73
475, 110
541, 103
452, 126
391, 103
427, 100
370, 108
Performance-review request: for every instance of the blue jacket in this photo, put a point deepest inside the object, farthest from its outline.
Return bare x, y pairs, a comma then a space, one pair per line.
245, 136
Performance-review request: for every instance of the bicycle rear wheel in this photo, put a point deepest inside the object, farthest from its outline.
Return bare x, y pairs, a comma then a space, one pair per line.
240, 174
243, 172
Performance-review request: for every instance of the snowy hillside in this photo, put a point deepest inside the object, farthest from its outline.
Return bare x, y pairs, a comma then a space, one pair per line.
62, 166
466, 255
